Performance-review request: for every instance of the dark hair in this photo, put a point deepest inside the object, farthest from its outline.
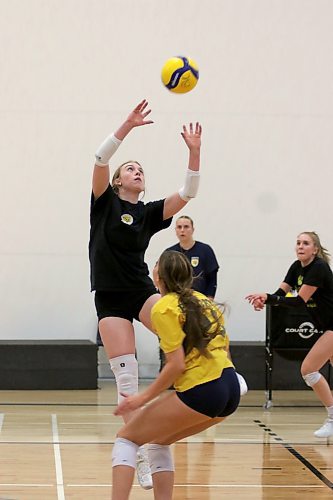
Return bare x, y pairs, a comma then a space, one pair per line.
202, 319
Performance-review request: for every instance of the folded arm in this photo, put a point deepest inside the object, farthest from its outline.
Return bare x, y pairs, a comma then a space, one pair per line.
258, 300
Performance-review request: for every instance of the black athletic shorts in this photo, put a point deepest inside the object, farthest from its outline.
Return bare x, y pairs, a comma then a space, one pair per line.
125, 305
217, 398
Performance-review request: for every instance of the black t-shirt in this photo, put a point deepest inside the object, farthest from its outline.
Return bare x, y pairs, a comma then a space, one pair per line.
318, 273
204, 264
120, 232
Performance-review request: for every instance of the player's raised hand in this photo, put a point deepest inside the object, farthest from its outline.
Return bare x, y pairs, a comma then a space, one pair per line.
192, 135
137, 117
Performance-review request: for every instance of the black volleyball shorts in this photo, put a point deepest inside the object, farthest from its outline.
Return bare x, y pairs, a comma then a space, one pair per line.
125, 305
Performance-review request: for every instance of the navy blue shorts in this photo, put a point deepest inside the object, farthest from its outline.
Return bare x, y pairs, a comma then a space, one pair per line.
125, 305
218, 398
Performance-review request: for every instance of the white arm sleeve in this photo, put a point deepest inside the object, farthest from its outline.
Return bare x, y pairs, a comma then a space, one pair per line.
191, 186
107, 149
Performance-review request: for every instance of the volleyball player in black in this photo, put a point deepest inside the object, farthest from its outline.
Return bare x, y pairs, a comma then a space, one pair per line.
310, 276
121, 228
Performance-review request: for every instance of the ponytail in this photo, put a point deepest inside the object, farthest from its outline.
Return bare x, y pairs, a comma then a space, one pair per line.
202, 322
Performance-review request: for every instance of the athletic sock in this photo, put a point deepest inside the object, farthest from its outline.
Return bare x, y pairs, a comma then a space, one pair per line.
330, 412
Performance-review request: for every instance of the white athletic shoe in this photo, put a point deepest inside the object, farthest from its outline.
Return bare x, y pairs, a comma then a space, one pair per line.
143, 470
326, 430
242, 384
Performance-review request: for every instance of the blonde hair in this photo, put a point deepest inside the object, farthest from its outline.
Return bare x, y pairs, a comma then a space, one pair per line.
323, 253
117, 173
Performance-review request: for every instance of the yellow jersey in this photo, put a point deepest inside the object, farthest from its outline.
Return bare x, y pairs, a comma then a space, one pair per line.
168, 320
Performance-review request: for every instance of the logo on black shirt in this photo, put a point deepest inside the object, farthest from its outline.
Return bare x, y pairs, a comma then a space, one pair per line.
127, 219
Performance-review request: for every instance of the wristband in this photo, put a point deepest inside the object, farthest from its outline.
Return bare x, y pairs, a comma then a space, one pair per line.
107, 149
278, 300
191, 186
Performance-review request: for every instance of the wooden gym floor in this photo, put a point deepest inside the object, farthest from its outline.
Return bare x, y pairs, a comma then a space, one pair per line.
56, 445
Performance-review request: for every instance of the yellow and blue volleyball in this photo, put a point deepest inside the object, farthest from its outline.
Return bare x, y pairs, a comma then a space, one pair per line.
180, 74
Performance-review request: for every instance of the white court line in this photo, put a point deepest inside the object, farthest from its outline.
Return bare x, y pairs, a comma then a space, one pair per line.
30, 485
187, 485
57, 459
91, 423
107, 485
2, 417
